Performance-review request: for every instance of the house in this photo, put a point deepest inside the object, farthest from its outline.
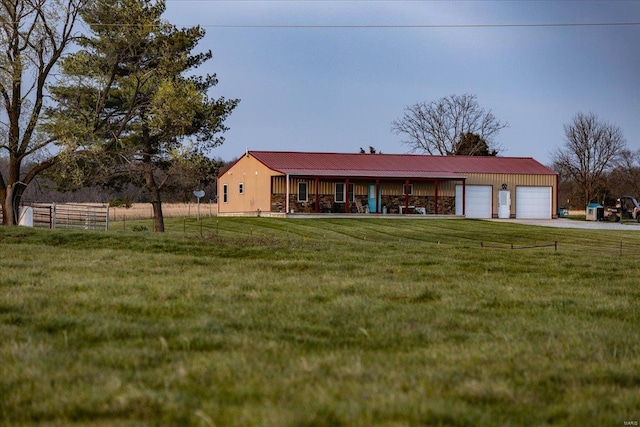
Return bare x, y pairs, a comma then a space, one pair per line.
292, 183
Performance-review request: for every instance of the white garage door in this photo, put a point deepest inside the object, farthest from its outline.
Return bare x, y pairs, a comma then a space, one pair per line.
478, 201
533, 202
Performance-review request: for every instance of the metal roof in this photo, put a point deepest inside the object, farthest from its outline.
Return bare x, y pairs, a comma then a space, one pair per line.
395, 165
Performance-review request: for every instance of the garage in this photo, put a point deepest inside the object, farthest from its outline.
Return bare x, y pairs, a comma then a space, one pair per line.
533, 202
478, 201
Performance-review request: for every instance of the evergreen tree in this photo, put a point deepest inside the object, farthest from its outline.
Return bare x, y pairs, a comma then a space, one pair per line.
129, 98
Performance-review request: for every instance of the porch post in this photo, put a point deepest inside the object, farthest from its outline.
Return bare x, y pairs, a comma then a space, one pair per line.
378, 196
406, 197
317, 195
286, 197
435, 184
346, 197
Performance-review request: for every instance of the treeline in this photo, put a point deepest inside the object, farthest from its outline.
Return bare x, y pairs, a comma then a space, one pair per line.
49, 188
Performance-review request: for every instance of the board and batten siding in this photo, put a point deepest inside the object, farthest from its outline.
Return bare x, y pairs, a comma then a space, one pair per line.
361, 187
280, 186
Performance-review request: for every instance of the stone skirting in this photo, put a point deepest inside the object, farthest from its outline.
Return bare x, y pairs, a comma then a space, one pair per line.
446, 204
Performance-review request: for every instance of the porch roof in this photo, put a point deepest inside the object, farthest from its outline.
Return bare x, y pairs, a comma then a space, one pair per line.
394, 165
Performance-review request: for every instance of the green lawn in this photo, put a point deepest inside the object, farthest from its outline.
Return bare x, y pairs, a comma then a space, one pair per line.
320, 322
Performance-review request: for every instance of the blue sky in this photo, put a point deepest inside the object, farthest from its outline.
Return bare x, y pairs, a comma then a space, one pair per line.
337, 80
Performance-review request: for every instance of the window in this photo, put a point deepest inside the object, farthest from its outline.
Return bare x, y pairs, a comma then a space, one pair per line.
408, 189
241, 188
340, 196
302, 192
340, 192
225, 193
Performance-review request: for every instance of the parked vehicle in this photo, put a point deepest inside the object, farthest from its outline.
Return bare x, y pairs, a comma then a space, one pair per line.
627, 207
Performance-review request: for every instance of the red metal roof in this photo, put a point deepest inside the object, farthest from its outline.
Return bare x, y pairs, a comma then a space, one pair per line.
394, 165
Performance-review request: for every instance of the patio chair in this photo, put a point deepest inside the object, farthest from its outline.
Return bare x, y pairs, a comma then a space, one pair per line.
361, 209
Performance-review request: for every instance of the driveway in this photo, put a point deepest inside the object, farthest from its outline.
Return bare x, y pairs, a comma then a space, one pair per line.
569, 223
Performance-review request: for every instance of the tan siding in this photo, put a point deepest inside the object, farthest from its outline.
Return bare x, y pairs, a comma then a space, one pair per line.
512, 181
256, 179
325, 187
420, 188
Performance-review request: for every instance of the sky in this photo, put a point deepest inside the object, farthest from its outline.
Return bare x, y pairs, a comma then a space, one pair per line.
333, 75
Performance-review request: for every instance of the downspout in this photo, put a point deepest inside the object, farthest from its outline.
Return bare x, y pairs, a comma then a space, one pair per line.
286, 197
557, 198
464, 197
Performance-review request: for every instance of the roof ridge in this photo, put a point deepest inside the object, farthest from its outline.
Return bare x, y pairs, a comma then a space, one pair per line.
387, 154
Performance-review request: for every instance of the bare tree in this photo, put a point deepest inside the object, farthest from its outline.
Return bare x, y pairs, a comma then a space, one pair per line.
591, 150
438, 127
34, 34
624, 179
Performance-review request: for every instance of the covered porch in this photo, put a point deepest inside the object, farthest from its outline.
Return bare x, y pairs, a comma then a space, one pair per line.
366, 195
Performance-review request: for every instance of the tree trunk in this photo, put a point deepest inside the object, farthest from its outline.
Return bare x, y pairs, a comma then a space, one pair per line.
156, 203
8, 217
11, 204
154, 192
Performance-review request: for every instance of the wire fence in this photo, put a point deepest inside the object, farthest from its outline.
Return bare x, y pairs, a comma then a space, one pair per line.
514, 247
97, 217
596, 248
602, 244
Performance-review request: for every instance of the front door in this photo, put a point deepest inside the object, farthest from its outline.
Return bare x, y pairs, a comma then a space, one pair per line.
373, 198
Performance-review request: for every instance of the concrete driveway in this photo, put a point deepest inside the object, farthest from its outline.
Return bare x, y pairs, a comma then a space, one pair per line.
569, 223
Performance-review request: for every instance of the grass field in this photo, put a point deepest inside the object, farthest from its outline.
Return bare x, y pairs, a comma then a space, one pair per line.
320, 322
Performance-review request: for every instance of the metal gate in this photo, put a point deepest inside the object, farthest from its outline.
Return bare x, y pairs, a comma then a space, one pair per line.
65, 216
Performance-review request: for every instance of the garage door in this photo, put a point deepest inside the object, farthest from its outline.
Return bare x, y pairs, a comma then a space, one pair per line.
478, 201
533, 202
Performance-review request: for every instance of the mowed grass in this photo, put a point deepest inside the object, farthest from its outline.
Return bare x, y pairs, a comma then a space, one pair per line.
320, 322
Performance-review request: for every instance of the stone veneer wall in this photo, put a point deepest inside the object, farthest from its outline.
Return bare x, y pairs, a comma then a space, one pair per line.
446, 204
278, 202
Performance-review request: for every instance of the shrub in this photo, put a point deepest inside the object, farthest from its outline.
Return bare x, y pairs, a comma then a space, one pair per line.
125, 202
